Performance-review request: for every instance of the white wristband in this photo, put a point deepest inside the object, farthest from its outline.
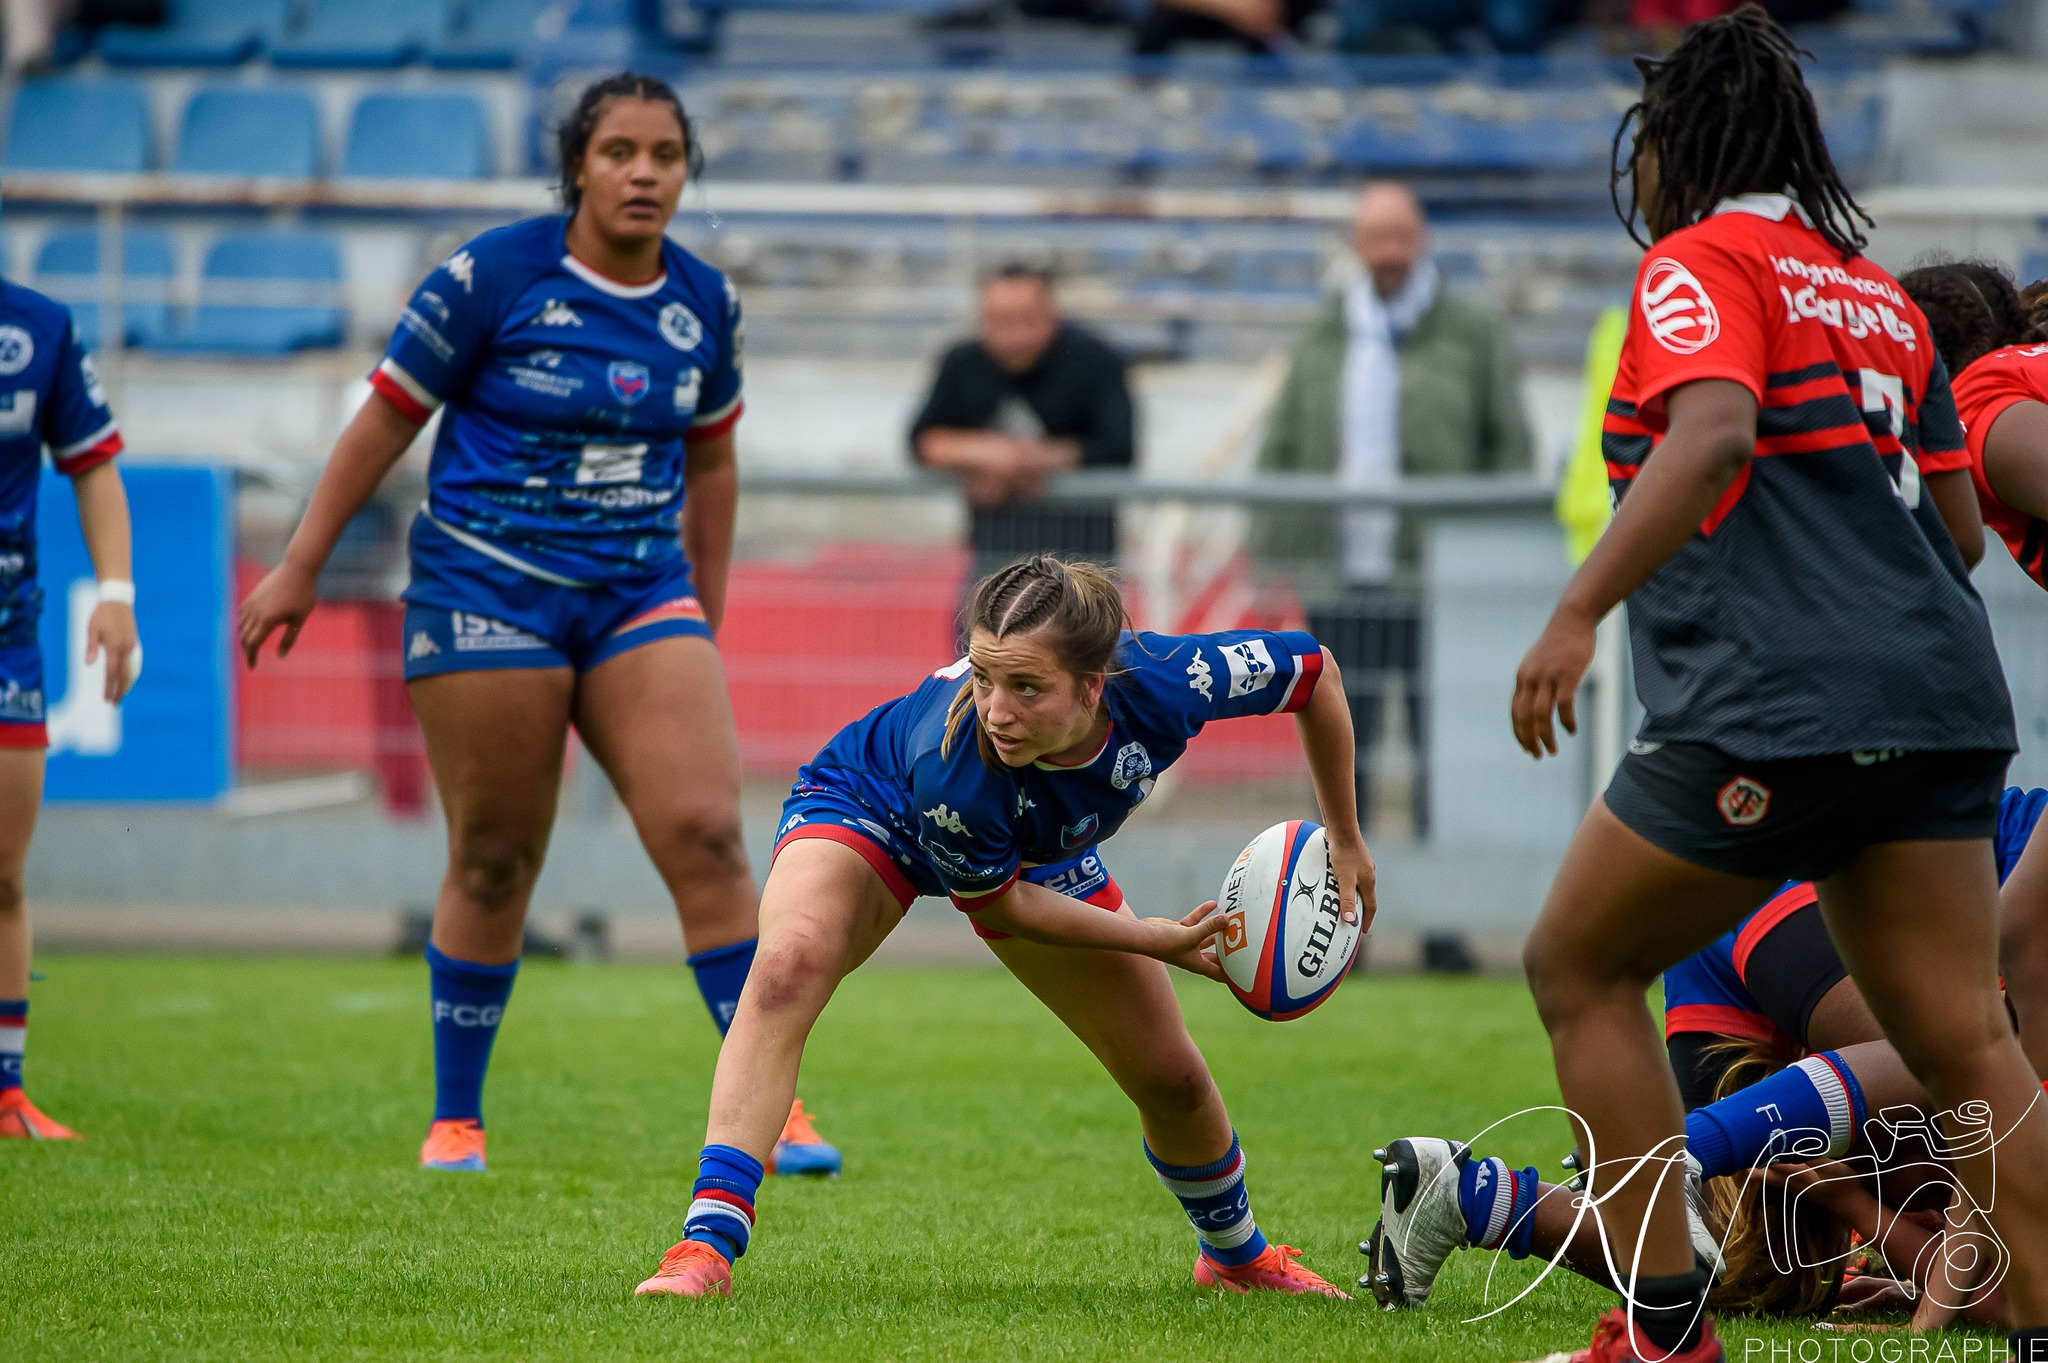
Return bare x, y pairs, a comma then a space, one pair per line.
117, 589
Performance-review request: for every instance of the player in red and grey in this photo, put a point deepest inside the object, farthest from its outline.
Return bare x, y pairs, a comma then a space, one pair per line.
50, 398
1823, 700
1995, 341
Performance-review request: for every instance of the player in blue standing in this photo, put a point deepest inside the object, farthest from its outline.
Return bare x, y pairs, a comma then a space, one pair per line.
49, 397
993, 782
587, 370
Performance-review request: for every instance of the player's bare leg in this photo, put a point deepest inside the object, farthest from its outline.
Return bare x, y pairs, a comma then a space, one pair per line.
1123, 1009
21, 799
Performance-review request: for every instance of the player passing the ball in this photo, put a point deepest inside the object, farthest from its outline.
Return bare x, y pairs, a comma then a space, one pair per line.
993, 783
57, 402
569, 567
1793, 532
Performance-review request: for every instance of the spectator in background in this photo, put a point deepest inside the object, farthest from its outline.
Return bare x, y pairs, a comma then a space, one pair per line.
1258, 26
1395, 378
1032, 395
1428, 26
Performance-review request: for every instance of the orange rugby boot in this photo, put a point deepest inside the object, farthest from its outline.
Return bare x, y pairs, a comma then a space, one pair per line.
800, 1149
455, 1144
690, 1269
1275, 1270
20, 1121
1614, 1341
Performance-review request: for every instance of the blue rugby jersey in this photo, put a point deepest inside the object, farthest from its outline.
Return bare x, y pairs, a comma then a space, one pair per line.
569, 400
978, 826
49, 395
1709, 992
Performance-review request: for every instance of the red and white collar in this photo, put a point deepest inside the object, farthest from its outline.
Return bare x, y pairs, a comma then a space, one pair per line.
606, 284
1772, 206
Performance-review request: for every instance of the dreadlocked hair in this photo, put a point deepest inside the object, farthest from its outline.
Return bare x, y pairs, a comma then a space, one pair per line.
1076, 607
1972, 308
1744, 1215
1728, 113
572, 136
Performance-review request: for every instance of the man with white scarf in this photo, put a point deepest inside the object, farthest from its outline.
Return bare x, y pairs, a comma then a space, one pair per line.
1395, 378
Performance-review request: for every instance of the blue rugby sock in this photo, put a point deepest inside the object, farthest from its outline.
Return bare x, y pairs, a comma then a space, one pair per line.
722, 1203
1498, 1204
721, 973
1816, 1100
469, 1002
13, 1041
1217, 1205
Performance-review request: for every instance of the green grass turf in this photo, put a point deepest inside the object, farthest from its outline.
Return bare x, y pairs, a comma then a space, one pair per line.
248, 1189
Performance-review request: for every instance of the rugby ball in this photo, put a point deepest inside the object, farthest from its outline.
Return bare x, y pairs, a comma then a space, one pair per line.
1285, 945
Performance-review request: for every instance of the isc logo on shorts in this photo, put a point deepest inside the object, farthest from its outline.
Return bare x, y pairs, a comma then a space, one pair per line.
1744, 801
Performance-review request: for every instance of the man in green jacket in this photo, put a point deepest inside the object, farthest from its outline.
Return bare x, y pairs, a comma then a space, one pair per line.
1394, 379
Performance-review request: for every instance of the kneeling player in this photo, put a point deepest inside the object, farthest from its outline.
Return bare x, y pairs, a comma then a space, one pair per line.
992, 783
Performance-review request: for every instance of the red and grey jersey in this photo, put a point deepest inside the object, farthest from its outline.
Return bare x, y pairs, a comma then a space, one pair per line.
1822, 607
1985, 391
50, 398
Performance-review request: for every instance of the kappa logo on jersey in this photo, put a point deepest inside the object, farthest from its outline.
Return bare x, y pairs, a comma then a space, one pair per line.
629, 380
423, 645
1199, 673
1744, 801
555, 313
1133, 763
17, 349
680, 327
1675, 304
461, 268
948, 819
1251, 666
1075, 836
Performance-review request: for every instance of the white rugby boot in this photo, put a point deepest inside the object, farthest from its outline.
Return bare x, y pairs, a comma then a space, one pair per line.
1421, 1223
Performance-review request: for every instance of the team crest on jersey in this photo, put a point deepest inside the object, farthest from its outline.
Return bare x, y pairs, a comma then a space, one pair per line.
1133, 763
680, 327
629, 380
1676, 307
17, 349
1744, 801
1075, 836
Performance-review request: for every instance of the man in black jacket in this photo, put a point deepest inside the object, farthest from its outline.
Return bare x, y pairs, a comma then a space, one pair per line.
1032, 395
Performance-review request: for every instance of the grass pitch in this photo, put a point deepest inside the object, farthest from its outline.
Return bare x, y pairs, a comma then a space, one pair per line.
248, 1188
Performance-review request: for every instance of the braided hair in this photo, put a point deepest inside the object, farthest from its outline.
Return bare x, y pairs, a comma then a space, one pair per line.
572, 136
1972, 309
1728, 113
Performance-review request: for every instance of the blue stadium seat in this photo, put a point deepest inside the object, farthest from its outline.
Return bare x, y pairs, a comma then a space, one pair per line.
361, 33
1264, 143
484, 35
198, 33
95, 125
418, 136
67, 269
265, 293
249, 130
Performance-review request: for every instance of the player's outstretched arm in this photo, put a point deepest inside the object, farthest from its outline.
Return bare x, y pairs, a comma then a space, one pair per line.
103, 520
1049, 918
2016, 458
1325, 729
1711, 436
373, 442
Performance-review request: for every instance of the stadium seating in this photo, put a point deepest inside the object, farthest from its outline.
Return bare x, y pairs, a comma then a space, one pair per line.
249, 130
197, 33
361, 33
265, 294
484, 35
413, 135
67, 269
78, 125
